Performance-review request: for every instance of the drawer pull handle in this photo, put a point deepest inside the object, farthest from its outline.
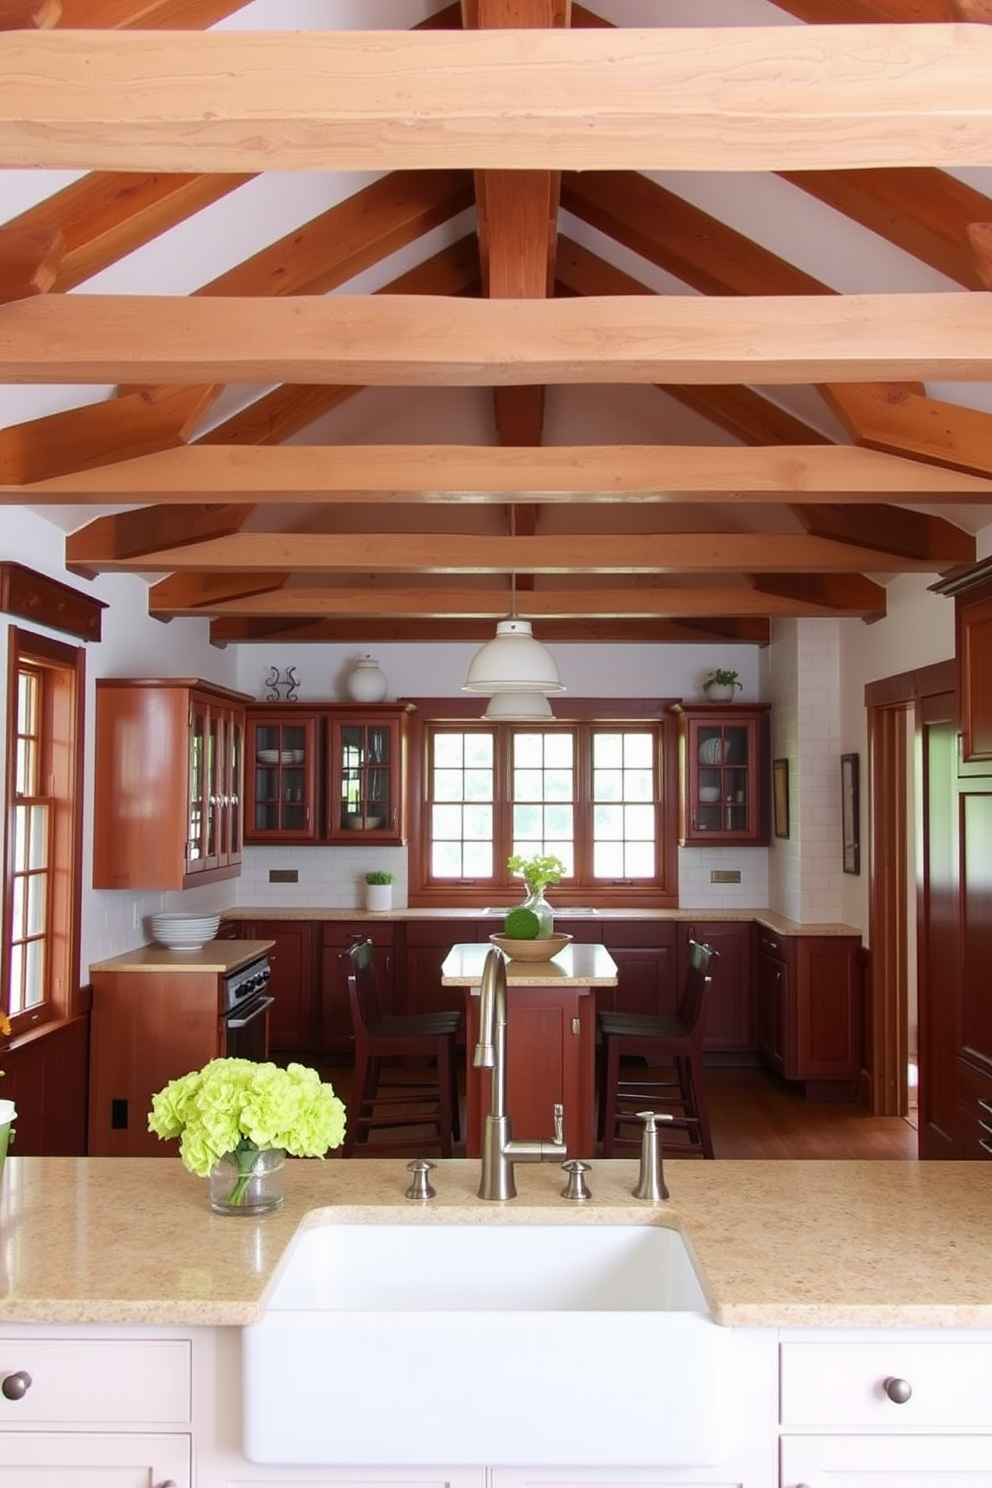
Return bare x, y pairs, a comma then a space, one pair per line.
16, 1386
898, 1390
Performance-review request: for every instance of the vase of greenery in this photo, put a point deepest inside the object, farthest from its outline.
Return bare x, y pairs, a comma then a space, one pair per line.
237, 1119
538, 873
378, 891
722, 686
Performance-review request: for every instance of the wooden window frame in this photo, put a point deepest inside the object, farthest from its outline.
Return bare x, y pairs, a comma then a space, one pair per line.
605, 712
63, 679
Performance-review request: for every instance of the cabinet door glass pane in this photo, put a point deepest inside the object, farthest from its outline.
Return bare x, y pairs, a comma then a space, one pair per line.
365, 763
722, 779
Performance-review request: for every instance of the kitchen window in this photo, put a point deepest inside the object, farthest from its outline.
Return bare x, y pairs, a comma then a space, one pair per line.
599, 794
41, 846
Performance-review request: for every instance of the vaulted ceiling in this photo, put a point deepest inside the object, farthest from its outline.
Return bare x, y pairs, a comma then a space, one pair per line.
544, 346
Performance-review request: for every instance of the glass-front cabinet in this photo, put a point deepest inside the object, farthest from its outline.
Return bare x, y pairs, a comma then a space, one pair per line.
282, 769
365, 763
723, 755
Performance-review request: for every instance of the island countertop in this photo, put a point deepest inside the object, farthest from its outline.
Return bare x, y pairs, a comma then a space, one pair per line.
778, 1244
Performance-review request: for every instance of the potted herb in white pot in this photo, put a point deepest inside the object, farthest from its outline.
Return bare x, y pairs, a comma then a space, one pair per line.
379, 890
722, 685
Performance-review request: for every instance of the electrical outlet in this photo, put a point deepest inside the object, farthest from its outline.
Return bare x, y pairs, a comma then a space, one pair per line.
284, 875
725, 875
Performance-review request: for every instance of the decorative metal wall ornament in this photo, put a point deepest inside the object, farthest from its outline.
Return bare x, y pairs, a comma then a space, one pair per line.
283, 686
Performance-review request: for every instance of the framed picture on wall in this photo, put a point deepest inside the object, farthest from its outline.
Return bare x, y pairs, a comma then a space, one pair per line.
780, 796
850, 798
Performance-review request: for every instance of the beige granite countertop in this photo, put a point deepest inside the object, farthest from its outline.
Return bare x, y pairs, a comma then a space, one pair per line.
767, 917
859, 1244
574, 965
220, 956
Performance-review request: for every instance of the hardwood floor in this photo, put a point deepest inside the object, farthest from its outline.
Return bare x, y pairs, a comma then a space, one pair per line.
754, 1115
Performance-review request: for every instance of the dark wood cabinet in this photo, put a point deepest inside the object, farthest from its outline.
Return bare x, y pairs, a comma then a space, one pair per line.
427, 944
646, 954
281, 775
730, 1020
335, 1029
366, 770
973, 631
808, 1009
292, 1017
723, 775
168, 783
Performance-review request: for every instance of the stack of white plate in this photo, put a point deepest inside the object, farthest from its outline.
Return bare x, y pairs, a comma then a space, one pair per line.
184, 932
711, 751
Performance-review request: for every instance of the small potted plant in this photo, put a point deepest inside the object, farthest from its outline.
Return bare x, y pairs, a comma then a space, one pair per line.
721, 685
537, 873
379, 890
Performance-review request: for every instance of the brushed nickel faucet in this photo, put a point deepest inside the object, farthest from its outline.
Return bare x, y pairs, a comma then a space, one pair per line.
499, 1150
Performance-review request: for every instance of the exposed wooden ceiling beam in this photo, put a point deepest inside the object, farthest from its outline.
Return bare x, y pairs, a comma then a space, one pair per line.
979, 236
25, 15
740, 411
729, 630
402, 340
822, 98
378, 552
926, 428
147, 15
853, 12
403, 473
803, 594
28, 262
924, 212
106, 215
843, 593
132, 534
78, 439
915, 535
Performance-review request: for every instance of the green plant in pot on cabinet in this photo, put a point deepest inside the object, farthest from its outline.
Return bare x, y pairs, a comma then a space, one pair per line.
722, 685
379, 890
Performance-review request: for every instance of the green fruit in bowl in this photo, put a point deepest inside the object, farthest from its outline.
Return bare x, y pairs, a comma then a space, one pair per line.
521, 924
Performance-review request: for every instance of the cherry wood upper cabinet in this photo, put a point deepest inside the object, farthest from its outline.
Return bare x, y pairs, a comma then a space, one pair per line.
168, 783
723, 774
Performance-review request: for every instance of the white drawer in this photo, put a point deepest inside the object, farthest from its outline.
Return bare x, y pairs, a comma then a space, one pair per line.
91, 1382
844, 1384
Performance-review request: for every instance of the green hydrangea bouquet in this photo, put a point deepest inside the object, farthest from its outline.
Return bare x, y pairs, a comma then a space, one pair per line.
238, 1108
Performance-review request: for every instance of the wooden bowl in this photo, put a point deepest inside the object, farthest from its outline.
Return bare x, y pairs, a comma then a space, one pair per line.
531, 950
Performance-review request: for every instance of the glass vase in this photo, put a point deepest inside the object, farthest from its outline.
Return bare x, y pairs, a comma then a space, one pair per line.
538, 905
248, 1182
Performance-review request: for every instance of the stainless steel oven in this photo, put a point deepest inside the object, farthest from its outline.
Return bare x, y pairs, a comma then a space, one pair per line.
244, 1011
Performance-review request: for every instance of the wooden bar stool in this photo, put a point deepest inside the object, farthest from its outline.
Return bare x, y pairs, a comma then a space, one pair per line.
376, 1103
676, 1043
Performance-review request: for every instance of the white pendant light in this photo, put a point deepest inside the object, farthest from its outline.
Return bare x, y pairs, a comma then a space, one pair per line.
513, 662
518, 707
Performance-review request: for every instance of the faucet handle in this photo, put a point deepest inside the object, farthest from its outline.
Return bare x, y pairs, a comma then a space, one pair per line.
420, 1183
575, 1185
558, 1113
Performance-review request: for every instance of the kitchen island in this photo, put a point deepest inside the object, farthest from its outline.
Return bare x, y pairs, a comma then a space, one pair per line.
550, 1041
877, 1267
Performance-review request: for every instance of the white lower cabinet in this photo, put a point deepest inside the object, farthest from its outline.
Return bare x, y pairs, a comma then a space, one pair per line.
885, 1461
903, 1409
95, 1408
93, 1459
826, 1408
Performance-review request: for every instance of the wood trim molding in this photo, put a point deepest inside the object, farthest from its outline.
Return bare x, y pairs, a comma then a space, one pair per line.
44, 601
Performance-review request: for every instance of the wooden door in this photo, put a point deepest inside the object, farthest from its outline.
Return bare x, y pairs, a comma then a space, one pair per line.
729, 1021
937, 927
292, 1015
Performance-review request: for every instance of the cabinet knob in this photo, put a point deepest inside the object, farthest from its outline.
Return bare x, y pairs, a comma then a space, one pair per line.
898, 1390
16, 1386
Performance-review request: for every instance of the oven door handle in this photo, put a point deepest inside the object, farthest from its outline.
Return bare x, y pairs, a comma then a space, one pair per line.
258, 1006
